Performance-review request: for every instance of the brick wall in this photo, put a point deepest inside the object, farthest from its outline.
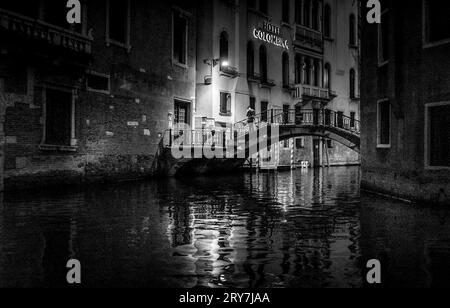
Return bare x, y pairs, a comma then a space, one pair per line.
115, 135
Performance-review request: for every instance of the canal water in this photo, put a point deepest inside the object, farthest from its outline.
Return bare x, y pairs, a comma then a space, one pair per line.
292, 229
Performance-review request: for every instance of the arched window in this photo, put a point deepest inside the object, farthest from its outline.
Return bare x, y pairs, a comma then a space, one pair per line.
264, 6
315, 15
352, 83
352, 29
307, 13
286, 11
316, 73
285, 69
263, 63
327, 21
298, 69
327, 76
250, 60
298, 11
307, 69
223, 47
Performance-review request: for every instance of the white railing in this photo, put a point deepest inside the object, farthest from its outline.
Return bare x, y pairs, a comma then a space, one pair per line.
311, 91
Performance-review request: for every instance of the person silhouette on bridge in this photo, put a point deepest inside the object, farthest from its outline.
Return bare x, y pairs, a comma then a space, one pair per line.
251, 118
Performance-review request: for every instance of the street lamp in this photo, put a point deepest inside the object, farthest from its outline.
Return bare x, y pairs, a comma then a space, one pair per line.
213, 63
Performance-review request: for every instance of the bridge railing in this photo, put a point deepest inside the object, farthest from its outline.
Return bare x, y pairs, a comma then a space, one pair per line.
223, 137
196, 138
310, 117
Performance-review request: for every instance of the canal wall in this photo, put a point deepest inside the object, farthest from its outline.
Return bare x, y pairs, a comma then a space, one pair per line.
96, 114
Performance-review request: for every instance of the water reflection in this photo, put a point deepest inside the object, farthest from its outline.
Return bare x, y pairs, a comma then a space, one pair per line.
293, 229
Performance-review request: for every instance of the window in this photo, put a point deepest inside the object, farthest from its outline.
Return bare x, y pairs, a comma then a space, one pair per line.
98, 82
180, 38
327, 21
352, 119
300, 143
224, 48
250, 60
264, 111
286, 11
225, 104
253, 102
58, 118
182, 112
327, 76
438, 135
352, 30
437, 21
307, 69
285, 69
384, 124
118, 21
315, 15
316, 73
263, 63
298, 69
383, 39
298, 11
352, 83
307, 13
264, 6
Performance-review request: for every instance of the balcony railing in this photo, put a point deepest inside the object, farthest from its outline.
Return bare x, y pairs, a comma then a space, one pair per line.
41, 31
229, 71
309, 38
302, 91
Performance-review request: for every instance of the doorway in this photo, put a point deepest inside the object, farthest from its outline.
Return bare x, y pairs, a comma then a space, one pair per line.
182, 115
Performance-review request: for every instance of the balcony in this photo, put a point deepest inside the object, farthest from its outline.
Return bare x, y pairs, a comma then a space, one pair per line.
229, 71
308, 38
312, 92
43, 32
267, 83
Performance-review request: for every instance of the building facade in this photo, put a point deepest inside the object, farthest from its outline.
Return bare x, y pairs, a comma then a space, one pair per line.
406, 101
91, 101
284, 55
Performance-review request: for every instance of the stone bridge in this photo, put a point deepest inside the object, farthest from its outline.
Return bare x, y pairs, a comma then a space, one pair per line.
213, 151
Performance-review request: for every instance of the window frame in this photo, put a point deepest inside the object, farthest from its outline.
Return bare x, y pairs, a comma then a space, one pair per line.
229, 113
379, 144
186, 47
426, 29
73, 141
93, 73
353, 34
109, 41
381, 62
327, 19
427, 140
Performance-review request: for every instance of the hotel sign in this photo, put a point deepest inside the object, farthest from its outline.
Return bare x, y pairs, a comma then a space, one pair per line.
271, 34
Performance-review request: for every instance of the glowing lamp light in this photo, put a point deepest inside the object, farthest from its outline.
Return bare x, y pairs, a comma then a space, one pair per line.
225, 64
